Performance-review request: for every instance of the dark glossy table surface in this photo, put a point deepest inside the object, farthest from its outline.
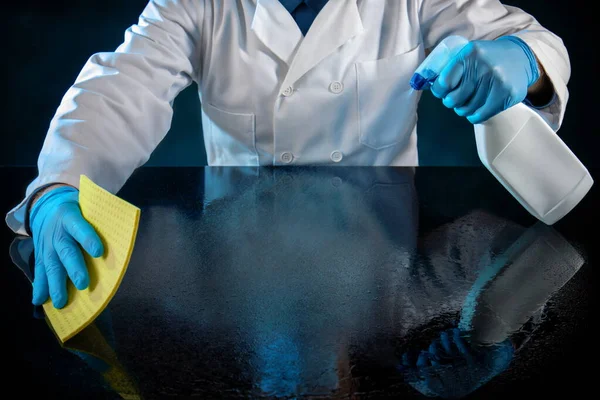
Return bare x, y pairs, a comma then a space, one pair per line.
321, 283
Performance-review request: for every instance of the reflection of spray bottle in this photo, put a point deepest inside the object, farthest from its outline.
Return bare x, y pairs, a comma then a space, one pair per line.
507, 294
522, 279
520, 149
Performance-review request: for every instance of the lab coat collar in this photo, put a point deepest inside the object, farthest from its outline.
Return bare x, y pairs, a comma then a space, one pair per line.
277, 29
338, 22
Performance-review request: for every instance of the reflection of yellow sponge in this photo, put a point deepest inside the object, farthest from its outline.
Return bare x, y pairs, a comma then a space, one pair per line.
116, 222
92, 342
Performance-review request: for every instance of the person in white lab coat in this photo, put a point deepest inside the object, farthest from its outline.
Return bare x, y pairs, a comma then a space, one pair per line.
275, 93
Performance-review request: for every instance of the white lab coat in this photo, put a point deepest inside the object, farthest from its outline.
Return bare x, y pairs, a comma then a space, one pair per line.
270, 96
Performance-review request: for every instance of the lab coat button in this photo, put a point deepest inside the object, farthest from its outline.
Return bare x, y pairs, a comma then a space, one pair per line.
336, 87
287, 157
288, 91
336, 181
336, 156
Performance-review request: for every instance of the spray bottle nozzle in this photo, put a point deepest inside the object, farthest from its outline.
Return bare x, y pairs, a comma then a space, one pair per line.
423, 80
433, 64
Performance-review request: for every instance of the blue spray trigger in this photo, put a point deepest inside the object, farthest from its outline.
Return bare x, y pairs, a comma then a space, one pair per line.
423, 80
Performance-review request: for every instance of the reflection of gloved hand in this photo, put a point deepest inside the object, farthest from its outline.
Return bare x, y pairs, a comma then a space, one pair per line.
452, 368
487, 77
57, 226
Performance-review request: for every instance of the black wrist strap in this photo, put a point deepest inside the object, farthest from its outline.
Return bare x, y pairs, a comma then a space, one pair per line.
28, 207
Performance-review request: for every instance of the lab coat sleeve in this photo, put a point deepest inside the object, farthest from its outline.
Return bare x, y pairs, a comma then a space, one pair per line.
120, 106
490, 19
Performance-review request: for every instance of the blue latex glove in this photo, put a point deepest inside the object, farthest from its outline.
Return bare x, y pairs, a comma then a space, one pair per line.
452, 367
57, 227
487, 77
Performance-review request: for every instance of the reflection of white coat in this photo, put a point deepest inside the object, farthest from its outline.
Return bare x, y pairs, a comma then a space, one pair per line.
270, 95
303, 265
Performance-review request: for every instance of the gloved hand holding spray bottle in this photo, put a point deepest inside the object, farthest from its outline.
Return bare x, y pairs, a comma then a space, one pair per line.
516, 145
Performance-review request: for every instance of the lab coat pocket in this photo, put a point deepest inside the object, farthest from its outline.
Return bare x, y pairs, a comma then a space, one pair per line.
230, 137
386, 103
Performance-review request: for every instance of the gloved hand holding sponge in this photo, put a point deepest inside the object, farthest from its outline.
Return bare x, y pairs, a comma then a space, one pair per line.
58, 229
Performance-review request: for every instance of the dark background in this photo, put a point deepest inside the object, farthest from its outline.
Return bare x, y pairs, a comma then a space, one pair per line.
49, 41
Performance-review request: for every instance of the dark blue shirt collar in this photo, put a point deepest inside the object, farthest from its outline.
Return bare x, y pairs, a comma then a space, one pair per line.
315, 5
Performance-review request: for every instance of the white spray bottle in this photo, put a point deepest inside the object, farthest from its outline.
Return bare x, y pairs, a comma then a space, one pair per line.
520, 149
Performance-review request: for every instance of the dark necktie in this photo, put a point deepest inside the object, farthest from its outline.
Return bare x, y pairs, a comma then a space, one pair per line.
304, 11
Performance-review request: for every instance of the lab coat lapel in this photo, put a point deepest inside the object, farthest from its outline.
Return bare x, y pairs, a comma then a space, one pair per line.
338, 22
276, 28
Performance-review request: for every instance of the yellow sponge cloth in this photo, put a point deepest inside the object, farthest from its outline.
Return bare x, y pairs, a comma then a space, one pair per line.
116, 222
